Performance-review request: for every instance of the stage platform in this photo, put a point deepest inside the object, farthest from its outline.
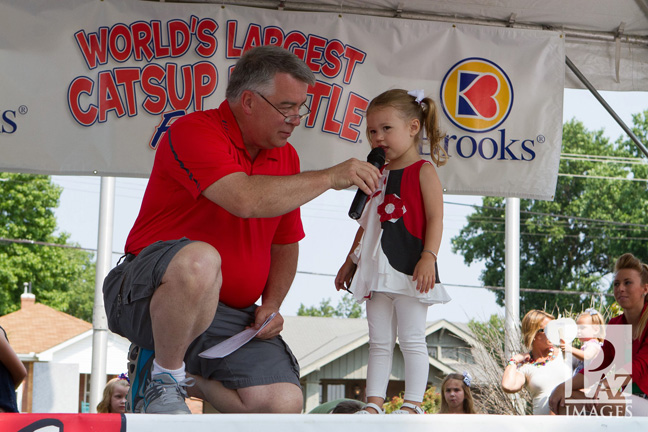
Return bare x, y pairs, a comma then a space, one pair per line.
313, 423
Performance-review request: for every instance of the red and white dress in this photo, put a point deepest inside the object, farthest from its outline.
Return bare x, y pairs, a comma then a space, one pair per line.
394, 235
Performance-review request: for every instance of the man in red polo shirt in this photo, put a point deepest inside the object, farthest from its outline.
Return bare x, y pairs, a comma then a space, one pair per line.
218, 229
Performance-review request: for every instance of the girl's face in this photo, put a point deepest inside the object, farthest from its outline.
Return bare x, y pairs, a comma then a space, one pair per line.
387, 129
454, 394
118, 399
585, 328
629, 292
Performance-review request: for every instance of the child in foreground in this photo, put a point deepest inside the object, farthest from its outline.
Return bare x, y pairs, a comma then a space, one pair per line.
395, 249
456, 397
114, 396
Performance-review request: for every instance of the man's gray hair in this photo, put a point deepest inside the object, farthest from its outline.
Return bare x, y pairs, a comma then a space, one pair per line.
256, 69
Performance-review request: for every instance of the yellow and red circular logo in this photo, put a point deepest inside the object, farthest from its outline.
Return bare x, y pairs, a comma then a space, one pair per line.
476, 95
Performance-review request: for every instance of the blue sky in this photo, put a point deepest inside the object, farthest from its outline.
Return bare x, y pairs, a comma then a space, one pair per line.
322, 253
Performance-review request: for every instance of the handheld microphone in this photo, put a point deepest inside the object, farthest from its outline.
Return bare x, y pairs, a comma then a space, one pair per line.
376, 158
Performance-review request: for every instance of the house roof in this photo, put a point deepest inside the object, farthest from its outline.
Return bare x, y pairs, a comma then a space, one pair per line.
317, 341
36, 328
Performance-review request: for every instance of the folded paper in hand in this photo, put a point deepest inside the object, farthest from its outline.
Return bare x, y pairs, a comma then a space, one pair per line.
230, 345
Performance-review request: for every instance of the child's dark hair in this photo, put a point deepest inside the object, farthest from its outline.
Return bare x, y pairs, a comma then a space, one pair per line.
425, 111
347, 407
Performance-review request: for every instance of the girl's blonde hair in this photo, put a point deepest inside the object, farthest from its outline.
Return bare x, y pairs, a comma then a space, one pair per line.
104, 405
597, 320
531, 323
629, 261
408, 108
468, 403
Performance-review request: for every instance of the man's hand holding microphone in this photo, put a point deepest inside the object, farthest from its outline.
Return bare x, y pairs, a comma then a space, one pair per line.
364, 175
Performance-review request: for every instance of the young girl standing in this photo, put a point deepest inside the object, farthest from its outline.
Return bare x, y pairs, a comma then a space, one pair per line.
395, 248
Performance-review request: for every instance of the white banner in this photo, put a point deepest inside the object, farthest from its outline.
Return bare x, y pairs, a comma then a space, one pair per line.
88, 87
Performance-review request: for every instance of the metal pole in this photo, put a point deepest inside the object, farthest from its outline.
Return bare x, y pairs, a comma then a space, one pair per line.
99, 321
512, 275
607, 107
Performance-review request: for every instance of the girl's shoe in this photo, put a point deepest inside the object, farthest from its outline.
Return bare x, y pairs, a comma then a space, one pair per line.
370, 405
417, 409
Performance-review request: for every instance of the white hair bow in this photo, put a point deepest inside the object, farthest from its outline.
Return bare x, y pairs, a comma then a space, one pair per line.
418, 94
467, 378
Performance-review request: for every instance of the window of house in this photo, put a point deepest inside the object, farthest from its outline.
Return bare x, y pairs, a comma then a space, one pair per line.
335, 391
465, 356
329, 392
85, 393
432, 351
450, 353
461, 354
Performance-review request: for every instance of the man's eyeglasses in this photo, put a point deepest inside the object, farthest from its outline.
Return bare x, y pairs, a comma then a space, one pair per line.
303, 111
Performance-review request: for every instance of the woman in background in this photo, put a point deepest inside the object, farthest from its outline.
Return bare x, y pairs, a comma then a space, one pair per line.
12, 374
541, 369
631, 293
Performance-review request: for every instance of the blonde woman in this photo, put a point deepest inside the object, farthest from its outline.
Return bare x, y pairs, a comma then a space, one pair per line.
541, 369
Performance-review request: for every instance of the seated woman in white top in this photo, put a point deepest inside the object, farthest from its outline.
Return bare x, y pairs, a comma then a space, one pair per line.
539, 370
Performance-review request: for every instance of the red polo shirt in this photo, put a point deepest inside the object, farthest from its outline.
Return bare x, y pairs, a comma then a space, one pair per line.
205, 146
639, 355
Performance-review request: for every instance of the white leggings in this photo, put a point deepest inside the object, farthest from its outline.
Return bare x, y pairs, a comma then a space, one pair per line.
388, 314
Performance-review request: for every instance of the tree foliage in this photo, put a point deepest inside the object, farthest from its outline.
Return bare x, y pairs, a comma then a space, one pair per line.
347, 307
599, 212
430, 405
62, 278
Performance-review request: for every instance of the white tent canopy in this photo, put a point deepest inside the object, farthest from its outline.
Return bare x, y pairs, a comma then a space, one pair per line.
606, 40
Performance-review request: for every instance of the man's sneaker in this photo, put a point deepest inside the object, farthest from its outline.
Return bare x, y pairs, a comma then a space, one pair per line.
140, 363
164, 395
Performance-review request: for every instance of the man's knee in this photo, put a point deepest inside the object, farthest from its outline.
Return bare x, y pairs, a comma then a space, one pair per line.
198, 262
291, 401
276, 398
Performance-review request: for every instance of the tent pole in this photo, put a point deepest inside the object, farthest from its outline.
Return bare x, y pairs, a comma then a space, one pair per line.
99, 320
512, 276
607, 107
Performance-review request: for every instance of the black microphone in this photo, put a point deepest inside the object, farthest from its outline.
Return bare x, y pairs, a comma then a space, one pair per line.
376, 158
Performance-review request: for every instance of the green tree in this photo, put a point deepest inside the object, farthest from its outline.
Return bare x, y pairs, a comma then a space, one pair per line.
61, 277
487, 332
599, 212
347, 307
